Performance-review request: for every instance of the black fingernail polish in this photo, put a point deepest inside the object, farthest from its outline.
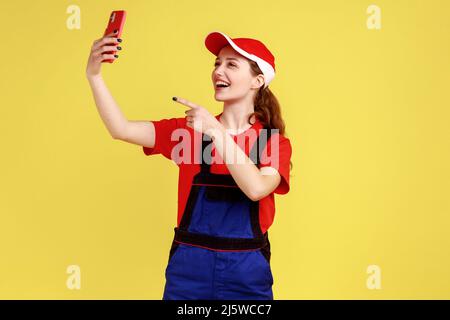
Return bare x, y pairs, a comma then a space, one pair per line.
120, 40
174, 98
119, 48
116, 56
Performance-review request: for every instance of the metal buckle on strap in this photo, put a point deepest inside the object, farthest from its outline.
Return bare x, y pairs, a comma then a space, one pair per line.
220, 243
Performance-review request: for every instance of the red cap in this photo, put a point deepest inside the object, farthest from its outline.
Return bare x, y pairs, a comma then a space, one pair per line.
250, 48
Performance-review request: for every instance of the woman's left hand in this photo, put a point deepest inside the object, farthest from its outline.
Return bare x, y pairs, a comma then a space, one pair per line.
198, 118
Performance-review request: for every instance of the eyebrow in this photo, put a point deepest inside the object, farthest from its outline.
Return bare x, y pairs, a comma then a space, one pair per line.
228, 59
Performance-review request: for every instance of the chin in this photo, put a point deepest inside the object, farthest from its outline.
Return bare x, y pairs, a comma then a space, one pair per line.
218, 97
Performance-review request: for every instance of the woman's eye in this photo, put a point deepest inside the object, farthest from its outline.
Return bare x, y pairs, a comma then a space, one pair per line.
231, 64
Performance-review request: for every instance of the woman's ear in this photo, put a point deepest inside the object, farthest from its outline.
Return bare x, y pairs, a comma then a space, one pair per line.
259, 81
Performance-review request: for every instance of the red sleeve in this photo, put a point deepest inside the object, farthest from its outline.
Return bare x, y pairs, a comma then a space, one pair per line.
163, 136
277, 154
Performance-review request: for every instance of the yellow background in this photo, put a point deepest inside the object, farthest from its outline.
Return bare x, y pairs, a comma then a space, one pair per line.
367, 112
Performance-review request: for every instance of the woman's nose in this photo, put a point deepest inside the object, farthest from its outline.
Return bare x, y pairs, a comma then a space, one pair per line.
218, 73
218, 70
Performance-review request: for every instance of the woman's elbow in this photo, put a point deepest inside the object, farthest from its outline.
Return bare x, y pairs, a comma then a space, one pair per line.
256, 194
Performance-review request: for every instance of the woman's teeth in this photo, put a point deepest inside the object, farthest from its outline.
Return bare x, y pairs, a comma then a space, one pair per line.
221, 84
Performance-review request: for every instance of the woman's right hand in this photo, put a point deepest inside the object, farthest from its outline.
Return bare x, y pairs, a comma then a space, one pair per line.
97, 55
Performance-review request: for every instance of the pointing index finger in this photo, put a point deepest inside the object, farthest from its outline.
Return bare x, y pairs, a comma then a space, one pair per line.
185, 102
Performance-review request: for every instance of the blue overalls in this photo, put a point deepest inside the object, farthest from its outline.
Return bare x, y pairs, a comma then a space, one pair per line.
219, 251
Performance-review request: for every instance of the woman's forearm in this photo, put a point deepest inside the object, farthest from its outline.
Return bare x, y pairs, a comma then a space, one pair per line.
246, 174
108, 109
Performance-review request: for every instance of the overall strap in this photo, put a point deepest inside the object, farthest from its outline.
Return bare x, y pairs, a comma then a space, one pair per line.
259, 145
205, 159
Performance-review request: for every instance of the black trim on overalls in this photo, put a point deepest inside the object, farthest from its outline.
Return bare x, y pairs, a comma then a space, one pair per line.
215, 183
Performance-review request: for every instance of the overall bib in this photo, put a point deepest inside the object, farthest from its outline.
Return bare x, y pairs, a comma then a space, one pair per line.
219, 250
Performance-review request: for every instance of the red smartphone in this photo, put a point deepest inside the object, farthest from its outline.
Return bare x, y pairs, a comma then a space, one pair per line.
115, 22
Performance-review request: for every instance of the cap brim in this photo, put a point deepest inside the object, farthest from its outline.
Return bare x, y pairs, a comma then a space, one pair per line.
215, 41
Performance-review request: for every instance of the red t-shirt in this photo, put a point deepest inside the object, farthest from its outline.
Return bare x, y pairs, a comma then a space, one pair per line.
165, 142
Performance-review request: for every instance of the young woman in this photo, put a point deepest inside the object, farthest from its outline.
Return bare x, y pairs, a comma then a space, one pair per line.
221, 248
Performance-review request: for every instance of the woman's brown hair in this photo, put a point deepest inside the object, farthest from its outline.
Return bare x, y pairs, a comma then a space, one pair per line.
267, 108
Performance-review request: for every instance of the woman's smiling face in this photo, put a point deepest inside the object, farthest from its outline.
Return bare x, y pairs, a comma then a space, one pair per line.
234, 69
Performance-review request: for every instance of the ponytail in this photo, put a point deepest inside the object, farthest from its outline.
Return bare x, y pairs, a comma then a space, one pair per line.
267, 108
